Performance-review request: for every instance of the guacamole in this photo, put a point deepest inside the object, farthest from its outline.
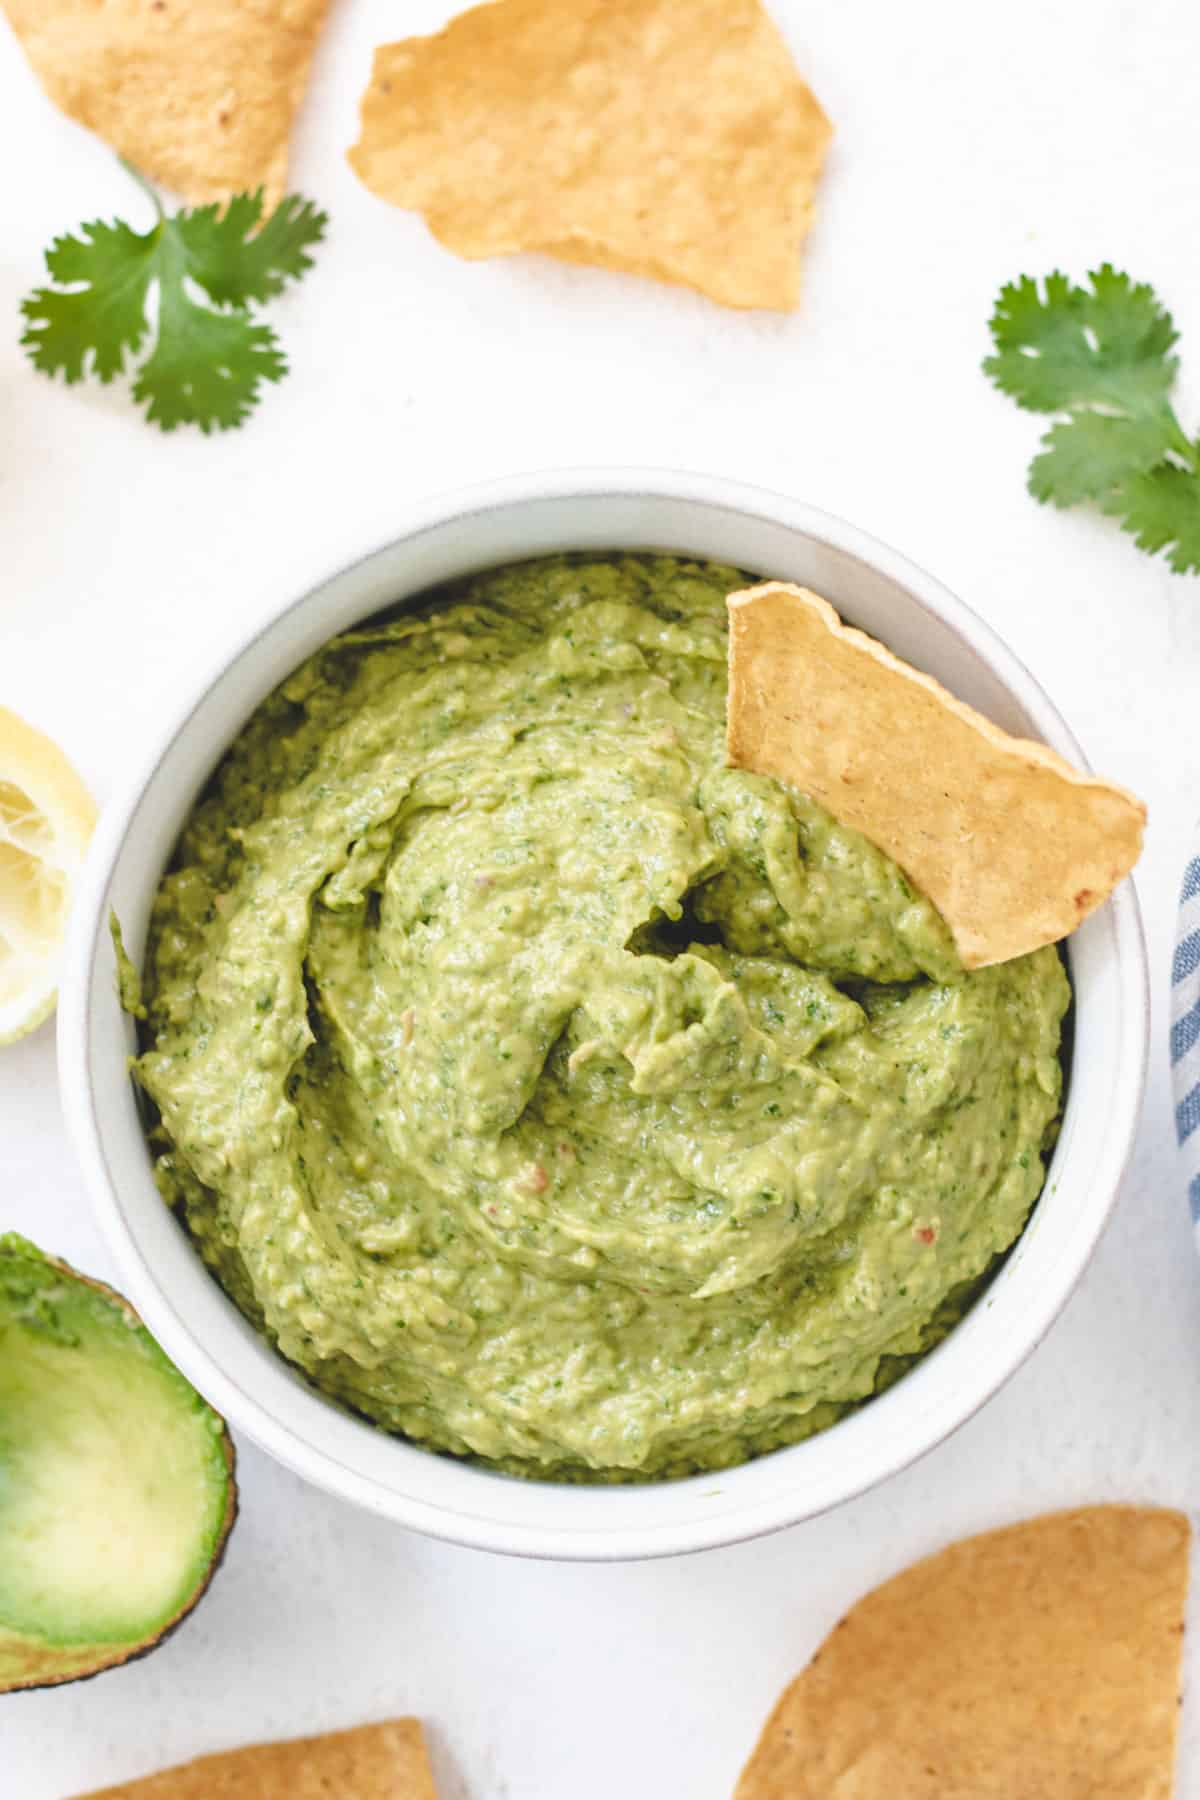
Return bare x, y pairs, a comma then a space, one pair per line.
549, 1092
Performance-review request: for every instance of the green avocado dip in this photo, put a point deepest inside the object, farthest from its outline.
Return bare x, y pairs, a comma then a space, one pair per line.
549, 1092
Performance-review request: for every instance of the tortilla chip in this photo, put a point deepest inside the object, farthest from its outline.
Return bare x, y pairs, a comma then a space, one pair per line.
373, 1762
675, 141
199, 97
1036, 1663
1013, 846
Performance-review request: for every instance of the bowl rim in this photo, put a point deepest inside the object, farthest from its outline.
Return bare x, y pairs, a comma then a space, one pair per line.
87, 931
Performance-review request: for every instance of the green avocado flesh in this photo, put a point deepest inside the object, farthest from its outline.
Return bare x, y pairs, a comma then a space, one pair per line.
115, 1477
549, 1092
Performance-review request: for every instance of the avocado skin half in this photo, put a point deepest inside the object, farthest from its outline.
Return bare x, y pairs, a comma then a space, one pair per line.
27, 1661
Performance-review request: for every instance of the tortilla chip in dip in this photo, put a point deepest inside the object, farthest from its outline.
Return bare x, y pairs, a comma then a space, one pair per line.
674, 141
1040, 1662
1013, 846
198, 97
373, 1762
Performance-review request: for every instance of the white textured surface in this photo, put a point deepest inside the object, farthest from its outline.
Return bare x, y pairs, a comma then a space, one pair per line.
962, 158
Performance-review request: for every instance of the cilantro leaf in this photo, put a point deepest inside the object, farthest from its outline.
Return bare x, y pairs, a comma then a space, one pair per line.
1069, 348
233, 261
1161, 507
1091, 454
1102, 356
206, 366
104, 310
205, 266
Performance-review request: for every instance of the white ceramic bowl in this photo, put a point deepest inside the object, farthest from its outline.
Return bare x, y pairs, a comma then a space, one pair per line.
251, 1385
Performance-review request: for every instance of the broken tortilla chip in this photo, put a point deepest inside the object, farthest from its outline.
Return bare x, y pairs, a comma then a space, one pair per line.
200, 98
1012, 845
1040, 1662
671, 141
373, 1762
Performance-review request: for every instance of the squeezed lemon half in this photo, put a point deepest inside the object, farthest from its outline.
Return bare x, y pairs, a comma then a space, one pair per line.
46, 819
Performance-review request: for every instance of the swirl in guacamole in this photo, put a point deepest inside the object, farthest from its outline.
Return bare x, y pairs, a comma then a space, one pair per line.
549, 1092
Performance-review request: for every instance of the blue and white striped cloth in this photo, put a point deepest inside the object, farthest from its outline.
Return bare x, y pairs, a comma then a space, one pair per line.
1185, 1031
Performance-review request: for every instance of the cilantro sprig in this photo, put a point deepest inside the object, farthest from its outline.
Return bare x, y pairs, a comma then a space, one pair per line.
1102, 357
204, 268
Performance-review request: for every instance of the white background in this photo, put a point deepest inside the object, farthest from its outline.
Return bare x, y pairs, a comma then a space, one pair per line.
972, 145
